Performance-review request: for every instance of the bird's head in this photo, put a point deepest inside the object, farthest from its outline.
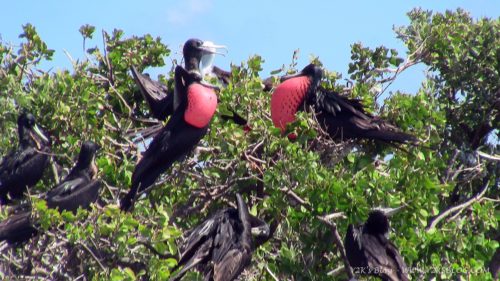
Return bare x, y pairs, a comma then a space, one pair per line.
200, 54
377, 223
86, 158
29, 131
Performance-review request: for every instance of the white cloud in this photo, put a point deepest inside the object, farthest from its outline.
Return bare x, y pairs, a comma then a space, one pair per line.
187, 10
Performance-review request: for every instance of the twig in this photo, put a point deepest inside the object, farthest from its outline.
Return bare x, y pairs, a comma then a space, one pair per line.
340, 245
333, 227
490, 199
336, 271
332, 216
271, 273
93, 255
488, 156
152, 249
410, 61
106, 58
296, 197
54, 170
434, 221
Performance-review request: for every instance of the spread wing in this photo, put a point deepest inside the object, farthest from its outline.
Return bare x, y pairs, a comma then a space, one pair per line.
160, 100
199, 244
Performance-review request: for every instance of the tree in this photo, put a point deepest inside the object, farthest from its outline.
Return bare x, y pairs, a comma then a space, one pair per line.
449, 183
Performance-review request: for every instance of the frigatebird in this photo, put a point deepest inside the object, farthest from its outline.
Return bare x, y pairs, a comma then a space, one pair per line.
158, 96
339, 116
194, 105
18, 228
221, 247
23, 167
78, 189
370, 252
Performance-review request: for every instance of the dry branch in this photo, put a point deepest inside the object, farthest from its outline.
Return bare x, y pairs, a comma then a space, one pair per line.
433, 222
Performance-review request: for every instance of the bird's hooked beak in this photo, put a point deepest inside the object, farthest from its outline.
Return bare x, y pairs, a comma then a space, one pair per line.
389, 212
208, 47
39, 133
261, 230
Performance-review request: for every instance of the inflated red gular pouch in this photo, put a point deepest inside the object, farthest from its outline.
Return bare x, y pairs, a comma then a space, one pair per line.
202, 103
286, 100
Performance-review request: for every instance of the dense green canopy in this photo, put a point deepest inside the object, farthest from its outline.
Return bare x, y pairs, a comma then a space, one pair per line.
449, 183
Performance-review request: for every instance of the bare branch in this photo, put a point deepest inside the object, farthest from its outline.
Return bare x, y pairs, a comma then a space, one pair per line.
433, 222
336, 271
340, 245
488, 156
93, 255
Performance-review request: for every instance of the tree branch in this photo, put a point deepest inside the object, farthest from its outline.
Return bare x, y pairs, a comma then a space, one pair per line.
433, 222
340, 245
333, 227
488, 156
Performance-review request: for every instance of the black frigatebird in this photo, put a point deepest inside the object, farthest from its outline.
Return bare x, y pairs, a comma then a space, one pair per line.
194, 105
370, 252
18, 228
78, 189
23, 168
158, 96
221, 247
339, 116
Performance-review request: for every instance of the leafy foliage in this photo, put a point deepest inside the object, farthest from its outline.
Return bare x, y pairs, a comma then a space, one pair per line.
289, 183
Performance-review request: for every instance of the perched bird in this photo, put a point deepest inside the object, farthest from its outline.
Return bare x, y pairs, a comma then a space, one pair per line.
221, 247
339, 116
18, 228
78, 189
158, 96
194, 105
23, 168
370, 252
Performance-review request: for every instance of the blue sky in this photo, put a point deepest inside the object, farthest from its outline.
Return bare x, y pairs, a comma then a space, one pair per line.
272, 29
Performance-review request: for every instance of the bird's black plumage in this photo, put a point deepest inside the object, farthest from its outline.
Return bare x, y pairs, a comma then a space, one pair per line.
345, 118
18, 228
78, 189
157, 95
23, 167
178, 137
221, 247
370, 252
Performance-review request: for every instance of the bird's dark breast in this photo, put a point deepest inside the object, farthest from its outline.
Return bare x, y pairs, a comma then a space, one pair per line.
202, 103
286, 100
